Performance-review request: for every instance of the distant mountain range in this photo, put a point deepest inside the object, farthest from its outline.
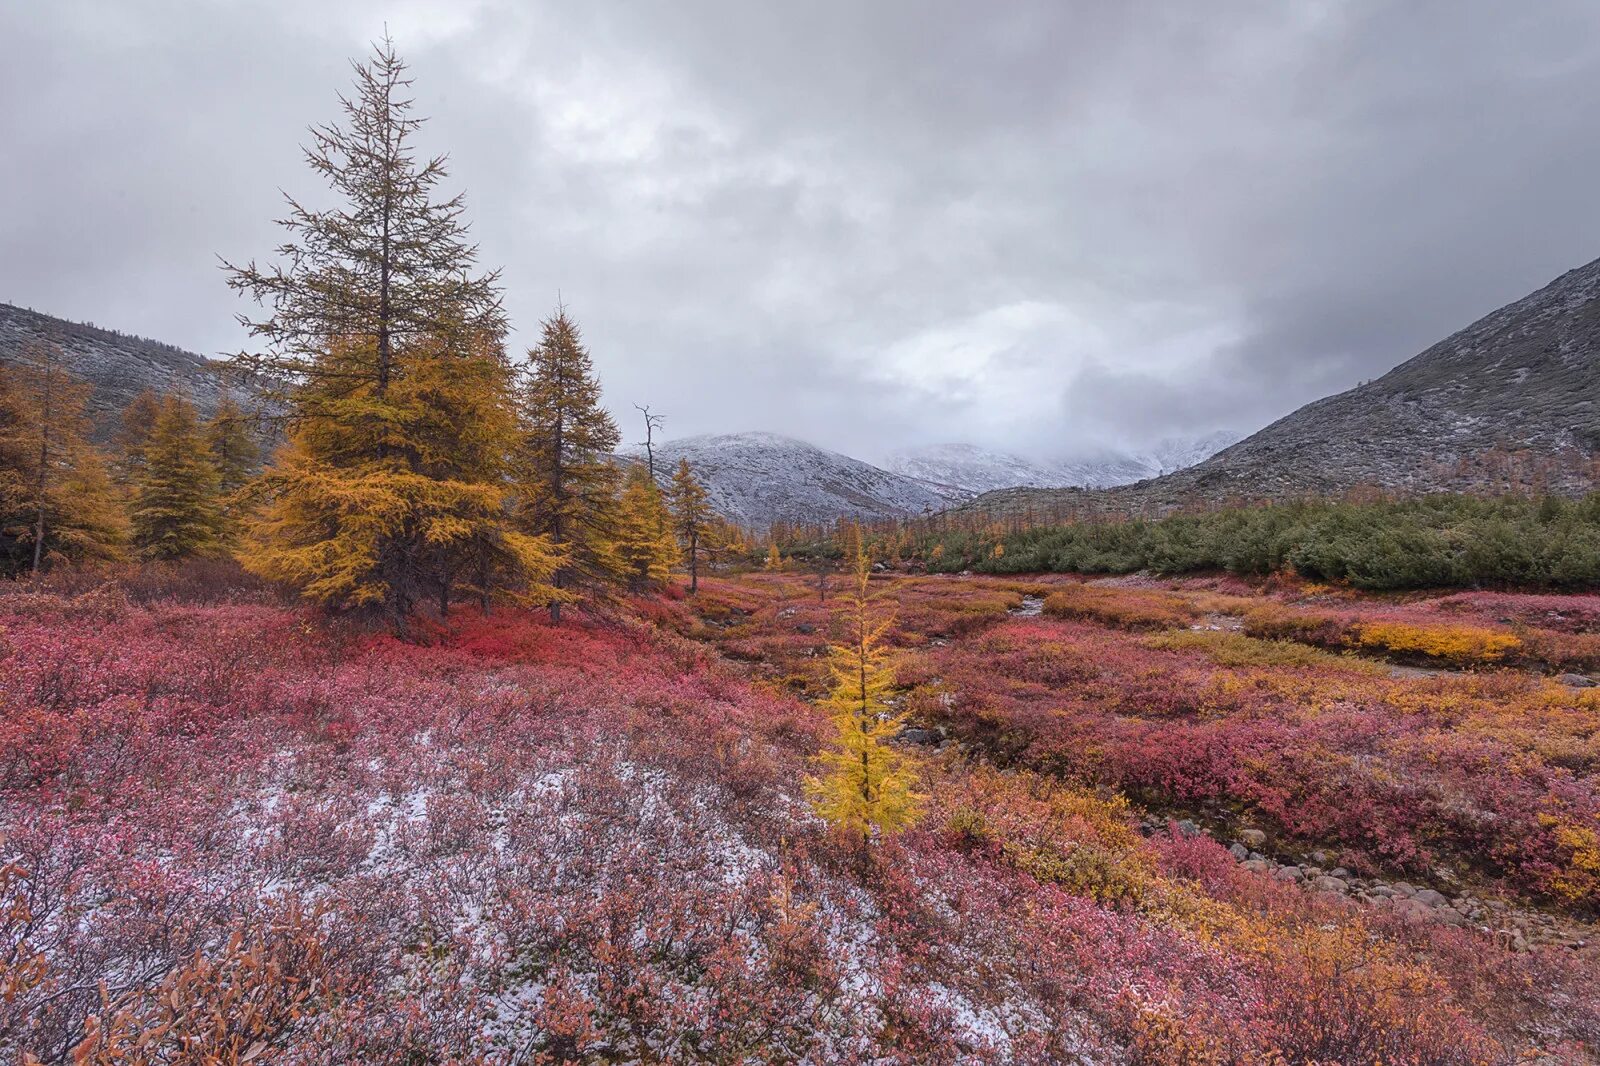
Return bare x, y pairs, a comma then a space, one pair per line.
1511, 401
757, 479
969, 468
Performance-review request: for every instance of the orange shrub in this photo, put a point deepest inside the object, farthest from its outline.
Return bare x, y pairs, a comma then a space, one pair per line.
1564, 651
1235, 649
1121, 607
1457, 645
1461, 645
1277, 622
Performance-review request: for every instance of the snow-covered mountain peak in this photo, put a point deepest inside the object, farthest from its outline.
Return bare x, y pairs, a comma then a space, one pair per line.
970, 468
758, 478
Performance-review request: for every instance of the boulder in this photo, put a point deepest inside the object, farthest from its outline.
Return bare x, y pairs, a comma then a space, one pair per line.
917, 735
1259, 866
1188, 828
1239, 851
1576, 681
1411, 910
1289, 873
1428, 897
1252, 838
1330, 884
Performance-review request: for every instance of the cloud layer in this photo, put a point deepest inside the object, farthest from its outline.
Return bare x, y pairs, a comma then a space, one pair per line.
1039, 225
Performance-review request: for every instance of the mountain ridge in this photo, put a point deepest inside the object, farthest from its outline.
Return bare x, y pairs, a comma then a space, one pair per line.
974, 469
118, 366
1511, 400
759, 478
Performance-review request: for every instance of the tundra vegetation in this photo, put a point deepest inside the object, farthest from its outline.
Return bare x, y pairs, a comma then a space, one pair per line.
442, 738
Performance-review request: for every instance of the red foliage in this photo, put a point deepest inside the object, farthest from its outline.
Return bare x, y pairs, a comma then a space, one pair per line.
528, 843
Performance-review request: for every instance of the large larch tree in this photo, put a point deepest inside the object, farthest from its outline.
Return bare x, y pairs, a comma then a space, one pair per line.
384, 348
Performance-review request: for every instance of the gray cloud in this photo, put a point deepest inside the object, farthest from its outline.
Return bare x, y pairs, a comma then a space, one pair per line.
1035, 225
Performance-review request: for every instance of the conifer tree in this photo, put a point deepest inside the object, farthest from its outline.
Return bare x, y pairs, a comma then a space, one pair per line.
388, 265
691, 511
137, 420
233, 449
646, 544
392, 488
56, 498
866, 783
176, 511
426, 520
567, 481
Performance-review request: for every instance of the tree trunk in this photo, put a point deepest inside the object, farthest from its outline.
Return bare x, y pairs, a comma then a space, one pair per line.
385, 311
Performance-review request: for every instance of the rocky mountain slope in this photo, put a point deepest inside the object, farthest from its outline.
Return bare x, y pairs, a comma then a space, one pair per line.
1511, 401
973, 469
118, 366
756, 479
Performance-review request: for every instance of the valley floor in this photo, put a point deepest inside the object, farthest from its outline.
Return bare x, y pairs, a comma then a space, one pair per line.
231, 828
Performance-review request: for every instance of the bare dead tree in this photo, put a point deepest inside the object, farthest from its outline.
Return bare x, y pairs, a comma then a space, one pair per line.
652, 422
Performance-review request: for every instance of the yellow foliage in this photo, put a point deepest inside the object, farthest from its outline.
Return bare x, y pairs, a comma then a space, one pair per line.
866, 784
646, 543
177, 509
1580, 881
1235, 649
51, 478
384, 497
1465, 645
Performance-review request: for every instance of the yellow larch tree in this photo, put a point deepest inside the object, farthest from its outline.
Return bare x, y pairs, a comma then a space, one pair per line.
135, 424
233, 445
566, 479
691, 513
384, 347
237, 454
389, 503
865, 783
57, 502
176, 508
645, 543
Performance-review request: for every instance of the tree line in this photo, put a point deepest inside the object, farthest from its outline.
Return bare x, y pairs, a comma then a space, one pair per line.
421, 465
1435, 541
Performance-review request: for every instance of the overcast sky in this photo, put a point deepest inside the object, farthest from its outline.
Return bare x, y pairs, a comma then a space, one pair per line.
1035, 225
